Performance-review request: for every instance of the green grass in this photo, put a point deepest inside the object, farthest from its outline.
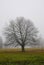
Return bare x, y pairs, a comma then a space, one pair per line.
33, 57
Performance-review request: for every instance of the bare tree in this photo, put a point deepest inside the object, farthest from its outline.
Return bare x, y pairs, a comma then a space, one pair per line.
21, 32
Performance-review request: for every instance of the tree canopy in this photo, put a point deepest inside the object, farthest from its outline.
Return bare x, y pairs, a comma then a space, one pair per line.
21, 32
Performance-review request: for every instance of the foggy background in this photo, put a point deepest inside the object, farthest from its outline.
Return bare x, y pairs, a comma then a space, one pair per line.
30, 9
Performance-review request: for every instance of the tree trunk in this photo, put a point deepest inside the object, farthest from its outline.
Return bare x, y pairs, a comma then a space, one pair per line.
23, 48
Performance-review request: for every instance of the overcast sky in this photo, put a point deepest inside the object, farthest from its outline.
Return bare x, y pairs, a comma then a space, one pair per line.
30, 9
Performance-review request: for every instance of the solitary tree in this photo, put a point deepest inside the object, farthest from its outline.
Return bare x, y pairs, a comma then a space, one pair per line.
22, 32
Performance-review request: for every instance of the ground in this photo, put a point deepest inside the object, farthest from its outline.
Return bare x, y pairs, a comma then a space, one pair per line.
31, 56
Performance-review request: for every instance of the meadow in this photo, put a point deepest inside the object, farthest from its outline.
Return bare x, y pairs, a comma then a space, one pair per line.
32, 56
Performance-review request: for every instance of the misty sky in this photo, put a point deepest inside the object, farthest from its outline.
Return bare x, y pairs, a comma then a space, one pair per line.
30, 9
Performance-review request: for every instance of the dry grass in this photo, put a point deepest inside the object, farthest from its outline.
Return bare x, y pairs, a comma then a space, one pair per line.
19, 50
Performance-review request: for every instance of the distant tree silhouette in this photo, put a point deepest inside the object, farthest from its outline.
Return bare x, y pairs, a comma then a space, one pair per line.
1, 42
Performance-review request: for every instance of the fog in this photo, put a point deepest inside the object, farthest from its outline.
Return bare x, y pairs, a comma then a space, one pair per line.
30, 9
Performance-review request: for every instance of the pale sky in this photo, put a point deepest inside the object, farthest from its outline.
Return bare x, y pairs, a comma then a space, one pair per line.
30, 9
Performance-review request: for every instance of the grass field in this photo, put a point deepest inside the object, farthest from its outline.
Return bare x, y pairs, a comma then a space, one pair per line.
31, 56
